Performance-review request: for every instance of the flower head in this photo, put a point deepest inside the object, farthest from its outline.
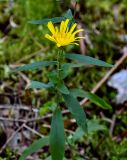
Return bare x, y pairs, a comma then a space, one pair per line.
63, 36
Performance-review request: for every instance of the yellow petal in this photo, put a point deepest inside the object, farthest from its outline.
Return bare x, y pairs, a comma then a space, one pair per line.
67, 29
65, 25
51, 27
77, 31
62, 26
72, 28
56, 29
58, 45
50, 37
75, 44
80, 37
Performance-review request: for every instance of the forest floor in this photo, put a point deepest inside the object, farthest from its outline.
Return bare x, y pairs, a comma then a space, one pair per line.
25, 115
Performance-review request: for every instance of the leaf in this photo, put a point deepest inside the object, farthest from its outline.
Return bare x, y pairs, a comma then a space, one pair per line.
87, 60
64, 72
76, 110
53, 20
62, 88
57, 136
93, 126
45, 21
72, 65
53, 77
69, 14
35, 146
92, 97
40, 85
79, 133
35, 65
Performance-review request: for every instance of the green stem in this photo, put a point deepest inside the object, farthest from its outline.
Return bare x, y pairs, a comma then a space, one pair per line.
58, 64
59, 61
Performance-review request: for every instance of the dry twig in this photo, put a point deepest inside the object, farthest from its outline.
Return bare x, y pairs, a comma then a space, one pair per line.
33, 130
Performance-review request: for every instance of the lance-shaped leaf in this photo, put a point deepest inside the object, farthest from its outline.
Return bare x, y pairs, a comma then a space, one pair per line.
34, 147
72, 65
76, 110
92, 97
87, 60
35, 65
53, 76
69, 14
57, 136
45, 21
40, 85
62, 88
93, 126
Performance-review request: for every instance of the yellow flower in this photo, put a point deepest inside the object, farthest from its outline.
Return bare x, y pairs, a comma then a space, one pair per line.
63, 36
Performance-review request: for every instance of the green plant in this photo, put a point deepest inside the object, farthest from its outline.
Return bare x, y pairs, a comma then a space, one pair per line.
56, 83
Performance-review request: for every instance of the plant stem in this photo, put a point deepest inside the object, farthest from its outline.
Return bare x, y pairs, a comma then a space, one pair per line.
59, 61
58, 64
